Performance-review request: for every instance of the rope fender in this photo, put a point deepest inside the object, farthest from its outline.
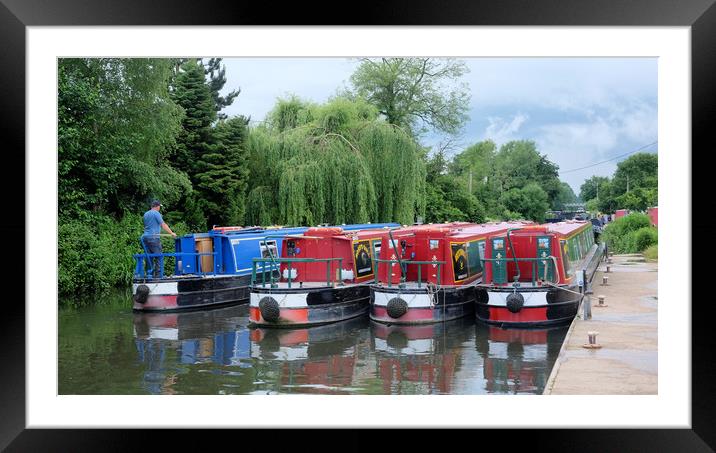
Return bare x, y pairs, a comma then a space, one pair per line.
515, 301
269, 309
396, 307
142, 294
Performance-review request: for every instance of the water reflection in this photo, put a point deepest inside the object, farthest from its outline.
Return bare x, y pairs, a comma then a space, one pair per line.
115, 351
420, 359
517, 360
212, 336
320, 359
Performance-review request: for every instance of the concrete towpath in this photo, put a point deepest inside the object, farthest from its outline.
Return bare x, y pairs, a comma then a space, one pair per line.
626, 363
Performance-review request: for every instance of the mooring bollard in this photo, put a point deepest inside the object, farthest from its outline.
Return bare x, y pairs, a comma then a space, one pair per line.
601, 301
607, 271
592, 337
605, 280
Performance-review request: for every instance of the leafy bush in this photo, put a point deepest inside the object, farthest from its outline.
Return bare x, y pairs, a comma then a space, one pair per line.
644, 238
630, 234
95, 253
652, 252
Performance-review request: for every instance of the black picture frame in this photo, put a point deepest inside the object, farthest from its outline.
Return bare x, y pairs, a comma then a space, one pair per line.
16, 15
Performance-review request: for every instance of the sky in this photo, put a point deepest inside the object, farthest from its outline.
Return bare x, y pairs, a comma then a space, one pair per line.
579, 111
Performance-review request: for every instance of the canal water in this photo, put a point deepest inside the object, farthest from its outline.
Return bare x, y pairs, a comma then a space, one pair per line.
106, 348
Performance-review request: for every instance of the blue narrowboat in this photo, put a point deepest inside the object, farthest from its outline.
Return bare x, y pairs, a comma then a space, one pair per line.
210, 269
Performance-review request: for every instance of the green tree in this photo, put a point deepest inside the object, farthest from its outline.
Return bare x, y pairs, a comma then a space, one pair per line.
637, 200
116, 127
566, 195
475, 162
530, 201
222, 175
192, 93
416, 94
593, 187
638, 170
518, 163
447, 197
592, 205
217, 79
333, 163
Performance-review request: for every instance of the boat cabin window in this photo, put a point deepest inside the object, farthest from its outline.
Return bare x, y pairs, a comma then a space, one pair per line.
376, 247
475, 255
268, 249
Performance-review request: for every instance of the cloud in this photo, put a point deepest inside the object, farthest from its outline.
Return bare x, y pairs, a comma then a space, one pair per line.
579, 111
573, 145
500, 130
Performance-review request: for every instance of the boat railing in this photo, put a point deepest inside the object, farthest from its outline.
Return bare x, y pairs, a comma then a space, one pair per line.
142, 271
274, 264
547, 259
404, 270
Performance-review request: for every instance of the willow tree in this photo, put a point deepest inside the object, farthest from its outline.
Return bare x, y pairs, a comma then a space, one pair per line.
333, 163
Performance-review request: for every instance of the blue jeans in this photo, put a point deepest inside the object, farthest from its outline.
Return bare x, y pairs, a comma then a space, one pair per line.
153, 245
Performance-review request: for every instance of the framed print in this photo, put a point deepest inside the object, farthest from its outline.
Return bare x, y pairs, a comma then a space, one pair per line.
55, 384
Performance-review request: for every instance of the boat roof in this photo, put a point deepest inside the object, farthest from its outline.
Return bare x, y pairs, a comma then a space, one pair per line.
277, 229
485, 229
563, 228
567, 227
471, 230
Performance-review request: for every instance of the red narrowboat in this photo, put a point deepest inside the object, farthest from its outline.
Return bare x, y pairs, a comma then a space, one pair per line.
324, 277
429, 274
537, 275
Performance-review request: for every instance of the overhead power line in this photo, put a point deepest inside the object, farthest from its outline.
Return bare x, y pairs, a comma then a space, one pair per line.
608, 160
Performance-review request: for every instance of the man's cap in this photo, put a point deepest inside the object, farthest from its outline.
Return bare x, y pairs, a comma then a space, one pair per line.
156, 203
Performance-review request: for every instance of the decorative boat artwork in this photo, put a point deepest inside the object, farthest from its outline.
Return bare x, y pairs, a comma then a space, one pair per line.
324, 277
429, 274
211, 269
537, 275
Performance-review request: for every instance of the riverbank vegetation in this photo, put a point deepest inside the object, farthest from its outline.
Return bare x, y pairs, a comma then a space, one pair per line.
131, 130
631, 234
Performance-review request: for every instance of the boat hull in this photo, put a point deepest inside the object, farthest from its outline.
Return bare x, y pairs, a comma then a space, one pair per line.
541, 307
190, 293
297, 307
420, 306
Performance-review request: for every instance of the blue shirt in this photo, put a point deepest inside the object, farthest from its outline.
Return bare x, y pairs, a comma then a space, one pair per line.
152, 223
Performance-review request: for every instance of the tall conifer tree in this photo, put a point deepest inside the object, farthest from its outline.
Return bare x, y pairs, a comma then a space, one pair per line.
193, 94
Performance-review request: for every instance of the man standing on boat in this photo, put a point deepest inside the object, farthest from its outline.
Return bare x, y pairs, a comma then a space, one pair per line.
153, 224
